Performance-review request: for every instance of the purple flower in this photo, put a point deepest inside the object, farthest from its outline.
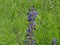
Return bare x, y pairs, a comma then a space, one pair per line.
32, 8
29, 16
34, 28
32, 25
35, 14
27, 35
54, 41
28, 30
32, 34
33, 41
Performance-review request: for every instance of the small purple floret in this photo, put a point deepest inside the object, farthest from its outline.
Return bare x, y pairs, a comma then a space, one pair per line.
35, 14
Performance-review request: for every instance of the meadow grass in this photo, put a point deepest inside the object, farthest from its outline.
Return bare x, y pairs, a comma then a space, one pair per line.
13, 13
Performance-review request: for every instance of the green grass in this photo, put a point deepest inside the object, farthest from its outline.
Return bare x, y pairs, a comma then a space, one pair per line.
13, 13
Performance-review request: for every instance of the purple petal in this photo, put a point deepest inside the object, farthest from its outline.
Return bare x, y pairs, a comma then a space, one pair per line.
29, 17
33, 42
32, 34
35, 14
54, 40
30, 25
27, 34
28, 30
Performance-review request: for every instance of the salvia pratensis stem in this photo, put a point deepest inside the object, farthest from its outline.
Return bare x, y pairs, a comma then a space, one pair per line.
31, 26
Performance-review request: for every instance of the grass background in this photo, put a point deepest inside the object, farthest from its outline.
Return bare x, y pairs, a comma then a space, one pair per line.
13, 14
